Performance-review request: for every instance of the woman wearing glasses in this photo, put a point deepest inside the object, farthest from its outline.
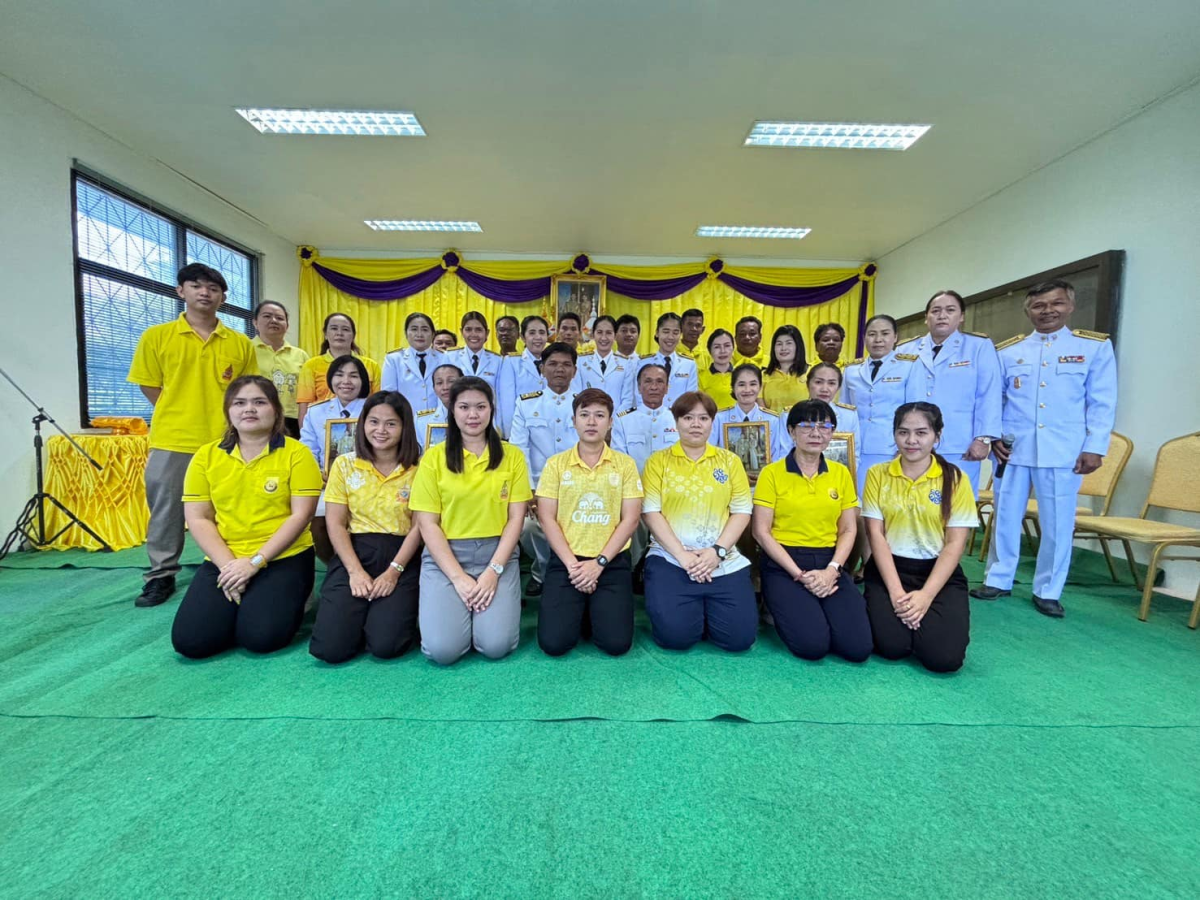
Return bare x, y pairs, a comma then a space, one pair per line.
806, 521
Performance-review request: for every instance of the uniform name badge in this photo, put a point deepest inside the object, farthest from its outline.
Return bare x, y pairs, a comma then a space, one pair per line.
1017, 382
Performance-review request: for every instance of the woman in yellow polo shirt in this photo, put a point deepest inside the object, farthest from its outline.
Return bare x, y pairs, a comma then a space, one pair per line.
469, 500
339, 333
715, 377
370, 593
589, 505
806, 522
783, 378
247, 499
697, 505
920, 511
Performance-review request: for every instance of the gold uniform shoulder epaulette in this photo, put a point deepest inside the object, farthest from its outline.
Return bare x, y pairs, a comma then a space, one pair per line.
619, 355
1090, 335
769, 412
857, 362
909, 341
681, 352
1015, 339
907, 357
531, 395
845, 405
513, 353
582, 353
427, 412
978, 334
627, 412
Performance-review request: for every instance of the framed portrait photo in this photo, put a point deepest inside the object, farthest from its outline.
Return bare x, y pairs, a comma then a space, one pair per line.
841, 449
751, 443
580, 294
339, 439
435, 433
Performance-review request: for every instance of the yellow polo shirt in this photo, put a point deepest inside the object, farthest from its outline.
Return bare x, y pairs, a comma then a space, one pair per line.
193, 374
700, 355
282, 367
589, 500
806, 509
472, 503
782, 392
378, 504
311, 386
912, 510
252, 499
761, 359
697, 497
718, 386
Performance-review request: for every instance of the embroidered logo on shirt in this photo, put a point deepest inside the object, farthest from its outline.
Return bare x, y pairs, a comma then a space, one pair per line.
227, 375
566, 476
402, 494
271, 485
614, 479
504, 491
1070, 359
833, 494
935, 496
591, 511
355, 480
720, 476
1017, 382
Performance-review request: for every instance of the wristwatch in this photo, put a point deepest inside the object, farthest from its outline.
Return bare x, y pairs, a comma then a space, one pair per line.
834, 564
497, 568
602, 560
985, 440
399, 568
258, 561
721, 551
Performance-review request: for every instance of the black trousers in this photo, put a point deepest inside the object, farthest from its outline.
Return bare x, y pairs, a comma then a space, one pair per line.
208, 623
940, 644
609, 608
387, 626
811, 626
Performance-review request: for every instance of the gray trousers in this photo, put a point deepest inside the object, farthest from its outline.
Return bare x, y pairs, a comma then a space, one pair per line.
448, 628
164, 495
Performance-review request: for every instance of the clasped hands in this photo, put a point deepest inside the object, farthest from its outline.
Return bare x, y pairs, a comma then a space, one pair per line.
365, 587
700, 563
477, 593
819, 582
911, 607
584, 575
234, 576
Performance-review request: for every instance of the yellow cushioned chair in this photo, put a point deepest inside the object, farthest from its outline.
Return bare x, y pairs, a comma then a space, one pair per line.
1174, 486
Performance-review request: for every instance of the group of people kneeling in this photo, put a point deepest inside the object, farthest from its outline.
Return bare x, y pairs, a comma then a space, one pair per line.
250, 497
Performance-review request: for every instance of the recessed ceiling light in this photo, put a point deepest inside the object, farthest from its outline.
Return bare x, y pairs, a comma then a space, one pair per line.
333, 121
748, 231
839, 135
420, 225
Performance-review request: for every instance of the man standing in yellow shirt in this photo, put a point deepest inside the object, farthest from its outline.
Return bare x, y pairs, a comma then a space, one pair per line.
278, 360
589, 504
747, 335
183, 367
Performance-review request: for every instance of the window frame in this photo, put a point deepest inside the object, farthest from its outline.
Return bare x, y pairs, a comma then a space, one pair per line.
183, 226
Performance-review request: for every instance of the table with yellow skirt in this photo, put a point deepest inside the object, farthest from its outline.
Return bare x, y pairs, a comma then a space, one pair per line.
111, 501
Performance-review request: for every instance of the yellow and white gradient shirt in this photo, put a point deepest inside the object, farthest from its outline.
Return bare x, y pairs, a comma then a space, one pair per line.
912, 510
697, 497
589, 500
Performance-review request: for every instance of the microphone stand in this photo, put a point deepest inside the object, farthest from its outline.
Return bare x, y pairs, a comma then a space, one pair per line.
31, 523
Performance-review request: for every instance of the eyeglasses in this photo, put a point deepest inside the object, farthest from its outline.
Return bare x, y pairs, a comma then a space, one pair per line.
814, 426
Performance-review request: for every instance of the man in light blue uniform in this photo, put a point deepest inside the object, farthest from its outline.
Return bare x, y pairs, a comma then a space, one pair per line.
410, 371
1060, 398
875, 385
960, 373
682, 374
543, 425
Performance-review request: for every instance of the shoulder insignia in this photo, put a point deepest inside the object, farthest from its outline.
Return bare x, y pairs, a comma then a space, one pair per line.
583, 353
769, 412
844, 405
1015, 339
978, 334
907, 357
513, 353
627, 412
909, 341
679, 351
619, 355
427, 412
857, 362
1090, 335
531, 395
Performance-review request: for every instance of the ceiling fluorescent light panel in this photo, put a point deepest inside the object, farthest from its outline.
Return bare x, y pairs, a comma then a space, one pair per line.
749, 231
422, 225
835, 135
361, 123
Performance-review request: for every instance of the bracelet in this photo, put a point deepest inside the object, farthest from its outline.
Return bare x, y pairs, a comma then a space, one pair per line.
399, 568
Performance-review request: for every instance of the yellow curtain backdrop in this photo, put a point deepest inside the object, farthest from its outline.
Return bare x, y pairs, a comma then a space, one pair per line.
381, 323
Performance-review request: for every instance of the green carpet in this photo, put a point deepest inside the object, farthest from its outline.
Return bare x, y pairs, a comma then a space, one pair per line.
1061, 762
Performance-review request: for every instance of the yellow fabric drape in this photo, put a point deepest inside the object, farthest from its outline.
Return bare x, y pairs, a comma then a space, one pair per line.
381, 323
112, 501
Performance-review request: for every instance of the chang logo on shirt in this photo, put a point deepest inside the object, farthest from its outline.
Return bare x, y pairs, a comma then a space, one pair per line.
591, 511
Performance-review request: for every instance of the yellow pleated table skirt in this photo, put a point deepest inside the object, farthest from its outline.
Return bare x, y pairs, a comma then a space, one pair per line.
112, 502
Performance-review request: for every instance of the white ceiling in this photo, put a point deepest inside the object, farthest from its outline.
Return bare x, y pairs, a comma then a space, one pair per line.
613, 127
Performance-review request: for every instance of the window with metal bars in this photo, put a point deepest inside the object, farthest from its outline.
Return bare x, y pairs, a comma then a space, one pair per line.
127, 253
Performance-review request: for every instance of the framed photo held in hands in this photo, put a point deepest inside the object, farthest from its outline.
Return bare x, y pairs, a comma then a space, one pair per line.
751, 443
841, 449
339, 439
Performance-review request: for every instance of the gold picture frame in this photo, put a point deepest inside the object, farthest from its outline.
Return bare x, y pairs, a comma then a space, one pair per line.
583, 295
841, 449
339, 439
750, 442
435, 433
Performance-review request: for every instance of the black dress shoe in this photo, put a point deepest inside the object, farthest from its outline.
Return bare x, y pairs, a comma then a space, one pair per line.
1051, 608
534, 588
156, 592
987, 592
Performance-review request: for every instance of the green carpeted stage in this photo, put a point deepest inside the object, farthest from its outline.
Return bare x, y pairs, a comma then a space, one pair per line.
1063, 761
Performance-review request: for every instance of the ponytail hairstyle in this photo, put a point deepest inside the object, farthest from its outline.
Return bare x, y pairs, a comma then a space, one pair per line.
267, 386
950, 472
353, 330
454, 441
